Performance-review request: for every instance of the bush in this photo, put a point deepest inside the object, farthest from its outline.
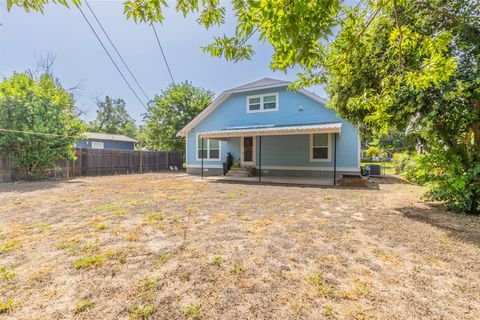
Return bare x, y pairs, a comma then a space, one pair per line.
372, 151
447, 178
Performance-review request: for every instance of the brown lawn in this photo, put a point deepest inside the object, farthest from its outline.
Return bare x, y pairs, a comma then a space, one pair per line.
165, 246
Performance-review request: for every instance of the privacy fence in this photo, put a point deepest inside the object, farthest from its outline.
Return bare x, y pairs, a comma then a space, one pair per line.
95, 162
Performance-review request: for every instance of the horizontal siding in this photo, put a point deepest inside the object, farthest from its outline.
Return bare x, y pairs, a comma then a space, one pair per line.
290, 150
107, 144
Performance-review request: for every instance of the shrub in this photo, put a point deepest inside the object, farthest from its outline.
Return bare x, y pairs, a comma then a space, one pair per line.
372, 151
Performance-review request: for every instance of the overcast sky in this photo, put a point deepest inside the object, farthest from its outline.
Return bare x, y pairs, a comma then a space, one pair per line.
25, 37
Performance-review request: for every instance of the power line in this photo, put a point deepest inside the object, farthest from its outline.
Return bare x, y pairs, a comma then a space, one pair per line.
114, 47
81, 135
111, 59
163, 54
38, 133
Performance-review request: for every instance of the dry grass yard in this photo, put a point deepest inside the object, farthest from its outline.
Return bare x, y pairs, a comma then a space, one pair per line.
165, 246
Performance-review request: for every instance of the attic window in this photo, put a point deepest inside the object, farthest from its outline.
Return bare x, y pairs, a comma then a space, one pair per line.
262, 103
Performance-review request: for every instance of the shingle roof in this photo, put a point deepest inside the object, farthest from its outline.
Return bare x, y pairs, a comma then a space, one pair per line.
265, 82
107, 136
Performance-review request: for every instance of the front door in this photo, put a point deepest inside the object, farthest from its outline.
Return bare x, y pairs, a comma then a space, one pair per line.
248, 151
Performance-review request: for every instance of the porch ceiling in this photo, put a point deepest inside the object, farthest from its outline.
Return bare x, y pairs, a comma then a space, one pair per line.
271, 130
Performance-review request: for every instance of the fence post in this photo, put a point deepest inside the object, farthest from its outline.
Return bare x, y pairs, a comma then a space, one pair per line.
84, 162
113, 163
73, 163
166, 160
141, 161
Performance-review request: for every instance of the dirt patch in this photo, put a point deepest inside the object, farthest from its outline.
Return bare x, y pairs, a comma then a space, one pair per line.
168, 246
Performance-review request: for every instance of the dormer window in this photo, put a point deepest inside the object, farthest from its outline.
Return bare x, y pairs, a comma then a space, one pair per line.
262, 103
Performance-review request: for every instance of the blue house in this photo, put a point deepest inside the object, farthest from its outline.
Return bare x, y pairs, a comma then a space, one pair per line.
275, 130
96, 140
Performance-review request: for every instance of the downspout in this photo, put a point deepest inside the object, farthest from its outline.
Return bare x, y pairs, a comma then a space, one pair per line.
202, 158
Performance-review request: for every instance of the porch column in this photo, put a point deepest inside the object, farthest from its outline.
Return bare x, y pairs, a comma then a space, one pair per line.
260, 159
202, 158
335, 159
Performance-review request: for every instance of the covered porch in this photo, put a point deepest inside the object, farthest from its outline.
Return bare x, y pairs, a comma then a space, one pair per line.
304, 154
274, 180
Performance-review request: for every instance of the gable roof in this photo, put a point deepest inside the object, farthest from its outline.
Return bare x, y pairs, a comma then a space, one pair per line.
260, 84
107, 136
265, 83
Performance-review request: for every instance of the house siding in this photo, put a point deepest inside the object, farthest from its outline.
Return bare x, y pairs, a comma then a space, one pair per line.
280, 151
107, 144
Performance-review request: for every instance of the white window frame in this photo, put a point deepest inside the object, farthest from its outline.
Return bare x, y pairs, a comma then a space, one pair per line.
261, 96
329, 148
206, 146
98, 145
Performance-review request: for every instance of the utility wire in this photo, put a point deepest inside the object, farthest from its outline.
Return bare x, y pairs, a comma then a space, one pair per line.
163, 54
108, 54
38, 133
116, 50
82, 134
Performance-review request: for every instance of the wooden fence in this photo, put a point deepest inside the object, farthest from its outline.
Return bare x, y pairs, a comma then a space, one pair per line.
96, 162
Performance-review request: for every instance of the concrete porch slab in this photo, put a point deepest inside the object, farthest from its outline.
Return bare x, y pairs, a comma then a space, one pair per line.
310, 181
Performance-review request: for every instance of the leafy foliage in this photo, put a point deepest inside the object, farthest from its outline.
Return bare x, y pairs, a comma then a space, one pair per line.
28, 106
169, 112
112, 117
372, 151
407, 65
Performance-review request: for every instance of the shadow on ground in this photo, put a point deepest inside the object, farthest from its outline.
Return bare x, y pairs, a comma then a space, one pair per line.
459, 226
30, 186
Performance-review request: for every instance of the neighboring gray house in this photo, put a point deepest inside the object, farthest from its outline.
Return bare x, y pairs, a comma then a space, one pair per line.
95, 140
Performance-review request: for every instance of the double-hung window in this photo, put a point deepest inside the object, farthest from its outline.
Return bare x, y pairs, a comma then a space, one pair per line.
262, 103
320, 147
211, 149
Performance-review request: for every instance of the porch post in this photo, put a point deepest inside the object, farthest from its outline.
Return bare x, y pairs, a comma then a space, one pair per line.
260, 159
202, 158
335, 159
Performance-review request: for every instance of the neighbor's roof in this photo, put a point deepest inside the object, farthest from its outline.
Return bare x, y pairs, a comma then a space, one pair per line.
265, 83
107, 136
271, 129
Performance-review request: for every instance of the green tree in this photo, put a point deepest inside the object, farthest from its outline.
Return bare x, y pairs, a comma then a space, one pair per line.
112, 117
409, 65
38, 123
415, 68
171, 111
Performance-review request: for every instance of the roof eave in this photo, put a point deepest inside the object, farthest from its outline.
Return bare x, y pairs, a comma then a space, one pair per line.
224, 95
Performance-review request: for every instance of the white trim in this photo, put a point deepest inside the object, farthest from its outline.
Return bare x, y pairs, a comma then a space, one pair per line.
271, 130
310, 168
344, 169
359, 152
262, 102
254, 152
202, 115
224, 95
209, 166
329, 151
186, 149
98, 145
313, 96
208, 150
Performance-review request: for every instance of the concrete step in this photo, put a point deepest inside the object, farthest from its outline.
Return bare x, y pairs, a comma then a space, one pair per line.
237, 169
237, 174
